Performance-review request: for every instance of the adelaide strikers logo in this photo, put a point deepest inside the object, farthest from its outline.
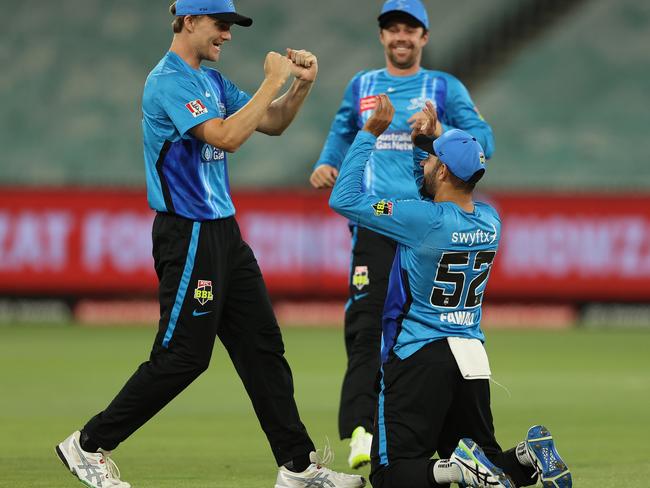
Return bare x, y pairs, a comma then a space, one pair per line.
203, 292
360, 277
418, 103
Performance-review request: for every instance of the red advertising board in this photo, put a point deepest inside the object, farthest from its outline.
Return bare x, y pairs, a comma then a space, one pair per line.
553, 247
75, 241
573, 247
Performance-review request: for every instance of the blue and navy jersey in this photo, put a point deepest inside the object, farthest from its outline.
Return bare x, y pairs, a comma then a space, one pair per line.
186, 176
443, 259
389, 170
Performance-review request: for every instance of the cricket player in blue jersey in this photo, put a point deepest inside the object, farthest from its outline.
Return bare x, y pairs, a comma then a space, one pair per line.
210, 282
404, 32
434, 388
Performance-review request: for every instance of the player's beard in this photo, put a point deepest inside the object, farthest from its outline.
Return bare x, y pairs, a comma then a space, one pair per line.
428, 189
402, 63
429, 182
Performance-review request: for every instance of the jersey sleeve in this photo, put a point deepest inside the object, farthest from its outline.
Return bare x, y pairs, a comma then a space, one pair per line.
463, 114
235, 98
344, 128
405, 221
183, 101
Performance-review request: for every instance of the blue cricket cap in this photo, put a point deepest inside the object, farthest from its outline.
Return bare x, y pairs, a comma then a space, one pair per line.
412, 8
460, 151
220, 9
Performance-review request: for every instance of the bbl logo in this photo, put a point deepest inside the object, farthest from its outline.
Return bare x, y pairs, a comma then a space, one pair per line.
203, 292
360, 277
383, 208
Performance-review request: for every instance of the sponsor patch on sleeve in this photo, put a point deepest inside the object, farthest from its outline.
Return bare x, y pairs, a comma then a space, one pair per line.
367, 103
196, 108
383, 207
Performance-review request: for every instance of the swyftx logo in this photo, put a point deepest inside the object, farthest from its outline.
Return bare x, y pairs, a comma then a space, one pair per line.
475, 237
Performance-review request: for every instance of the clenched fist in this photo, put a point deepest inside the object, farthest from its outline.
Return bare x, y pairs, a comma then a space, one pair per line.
304, 65
324, 176
277, 67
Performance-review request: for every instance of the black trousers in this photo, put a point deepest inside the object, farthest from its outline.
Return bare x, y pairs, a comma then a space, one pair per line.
372, 258
425, 407
210, 285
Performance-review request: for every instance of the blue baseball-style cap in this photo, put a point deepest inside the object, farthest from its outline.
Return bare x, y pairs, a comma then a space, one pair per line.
221, 9
460, 151
413, 8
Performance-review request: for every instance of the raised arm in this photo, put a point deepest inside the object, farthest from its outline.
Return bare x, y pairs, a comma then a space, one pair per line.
230, 133
424, 122
406, 221
464, 115
282, 111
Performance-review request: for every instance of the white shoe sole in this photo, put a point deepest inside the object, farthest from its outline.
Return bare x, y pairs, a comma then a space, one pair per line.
60, 453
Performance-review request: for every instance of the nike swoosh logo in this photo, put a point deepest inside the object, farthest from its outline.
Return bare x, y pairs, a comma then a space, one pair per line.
198, 314
359, 296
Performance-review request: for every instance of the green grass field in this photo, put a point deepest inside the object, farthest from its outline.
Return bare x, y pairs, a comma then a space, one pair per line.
591, 388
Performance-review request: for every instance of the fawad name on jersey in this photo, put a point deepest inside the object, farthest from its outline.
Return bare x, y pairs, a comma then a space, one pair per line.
458, 318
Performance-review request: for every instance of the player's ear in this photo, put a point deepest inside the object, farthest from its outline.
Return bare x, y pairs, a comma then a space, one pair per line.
443, 172
381, 35
189, 21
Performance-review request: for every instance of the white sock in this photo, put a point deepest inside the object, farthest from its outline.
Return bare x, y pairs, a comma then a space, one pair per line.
445, 472
522, 455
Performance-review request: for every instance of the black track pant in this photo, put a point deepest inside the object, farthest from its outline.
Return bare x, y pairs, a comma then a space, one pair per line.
425, 407
372, 258
210, 285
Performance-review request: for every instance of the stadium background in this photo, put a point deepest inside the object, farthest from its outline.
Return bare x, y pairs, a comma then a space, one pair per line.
564, 85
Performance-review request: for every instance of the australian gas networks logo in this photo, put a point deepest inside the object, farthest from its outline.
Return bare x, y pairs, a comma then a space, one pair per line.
475, 237
211, 154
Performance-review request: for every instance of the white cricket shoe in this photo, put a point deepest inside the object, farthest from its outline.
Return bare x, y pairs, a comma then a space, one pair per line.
94, 469
317, 475
476, 469
360, 445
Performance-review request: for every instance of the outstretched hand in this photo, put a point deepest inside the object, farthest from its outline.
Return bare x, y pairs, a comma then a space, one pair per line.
382, 116
425, 122
304, 65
